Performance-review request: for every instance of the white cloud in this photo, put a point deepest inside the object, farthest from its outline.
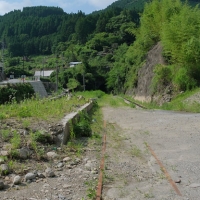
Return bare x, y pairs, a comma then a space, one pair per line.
67, 5
6, 6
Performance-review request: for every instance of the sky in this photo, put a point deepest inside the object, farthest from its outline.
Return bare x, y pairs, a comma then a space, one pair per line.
69, 6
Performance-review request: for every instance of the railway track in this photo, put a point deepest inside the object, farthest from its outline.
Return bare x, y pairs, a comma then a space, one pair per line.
133, 102
162, 168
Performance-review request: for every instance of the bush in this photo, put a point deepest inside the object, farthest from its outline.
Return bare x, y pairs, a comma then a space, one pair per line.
24, 112
41, 137
162, 78
16, 92
15, 140
183, 80
82, 127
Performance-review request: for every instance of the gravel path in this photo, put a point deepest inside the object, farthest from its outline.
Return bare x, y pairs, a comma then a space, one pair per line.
133, 173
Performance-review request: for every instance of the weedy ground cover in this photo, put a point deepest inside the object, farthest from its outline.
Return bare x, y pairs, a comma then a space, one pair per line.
188, 101
42, 109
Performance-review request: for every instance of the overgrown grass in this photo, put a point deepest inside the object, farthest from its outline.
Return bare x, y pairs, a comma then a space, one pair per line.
103, 99
41, 109
180, 102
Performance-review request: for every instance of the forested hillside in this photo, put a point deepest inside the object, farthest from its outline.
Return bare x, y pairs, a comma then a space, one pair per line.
111, 44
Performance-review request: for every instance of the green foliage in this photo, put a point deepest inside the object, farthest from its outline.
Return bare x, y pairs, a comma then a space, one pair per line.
181, 103
2, 116
37, 149
14, 154
26, 123
82, 127
112, 43
72, 84
176, 25
15, 92
5, 134
15, 140
40, 109
41, 137
117, 74
183, 80
24, 111
91, 192
162, 78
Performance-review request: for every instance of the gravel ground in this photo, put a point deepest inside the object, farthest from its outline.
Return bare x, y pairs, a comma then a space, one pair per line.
133, 173
72, 181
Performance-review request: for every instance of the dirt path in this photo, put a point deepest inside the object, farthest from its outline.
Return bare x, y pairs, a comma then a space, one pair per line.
133, 173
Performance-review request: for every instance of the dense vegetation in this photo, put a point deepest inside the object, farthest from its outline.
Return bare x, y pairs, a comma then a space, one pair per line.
176, 25
15, 92
111, 44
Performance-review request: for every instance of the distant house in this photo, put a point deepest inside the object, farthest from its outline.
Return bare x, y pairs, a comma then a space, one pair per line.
43, 73
73, 64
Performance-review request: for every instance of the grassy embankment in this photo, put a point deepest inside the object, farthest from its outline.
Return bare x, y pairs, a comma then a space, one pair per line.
188, 101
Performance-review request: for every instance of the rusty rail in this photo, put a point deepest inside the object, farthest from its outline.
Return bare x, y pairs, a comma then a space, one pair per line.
165, 171
100, 182
135, 103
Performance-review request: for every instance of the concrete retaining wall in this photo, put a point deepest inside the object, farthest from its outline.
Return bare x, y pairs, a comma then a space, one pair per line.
72, 117
39, 88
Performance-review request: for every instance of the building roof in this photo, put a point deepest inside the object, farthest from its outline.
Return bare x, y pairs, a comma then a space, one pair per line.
44, 73
73, 64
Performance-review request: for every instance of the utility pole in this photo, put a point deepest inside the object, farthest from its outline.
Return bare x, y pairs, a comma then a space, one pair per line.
23, 70
83, 81
2, 56
56, 76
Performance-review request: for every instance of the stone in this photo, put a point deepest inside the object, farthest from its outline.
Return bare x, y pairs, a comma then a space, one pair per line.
4, 169
52, 155
7, 178
1, 160
178, 181
66, 159
194, 185
25, 133
1, 184
4, 153
66, 186
30, 176
46, 185
61, 197
41, 175
24, 153
49, 172
88, 165
17, 180
59, 165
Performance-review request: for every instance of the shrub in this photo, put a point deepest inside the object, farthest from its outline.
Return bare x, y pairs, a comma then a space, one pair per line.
5, 134
82, 127
162, 78
14, 153
16, 92
183, 80
24, 112
15, 140
41, 137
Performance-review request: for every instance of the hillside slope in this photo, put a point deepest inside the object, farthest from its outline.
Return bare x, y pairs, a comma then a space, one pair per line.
145, 74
